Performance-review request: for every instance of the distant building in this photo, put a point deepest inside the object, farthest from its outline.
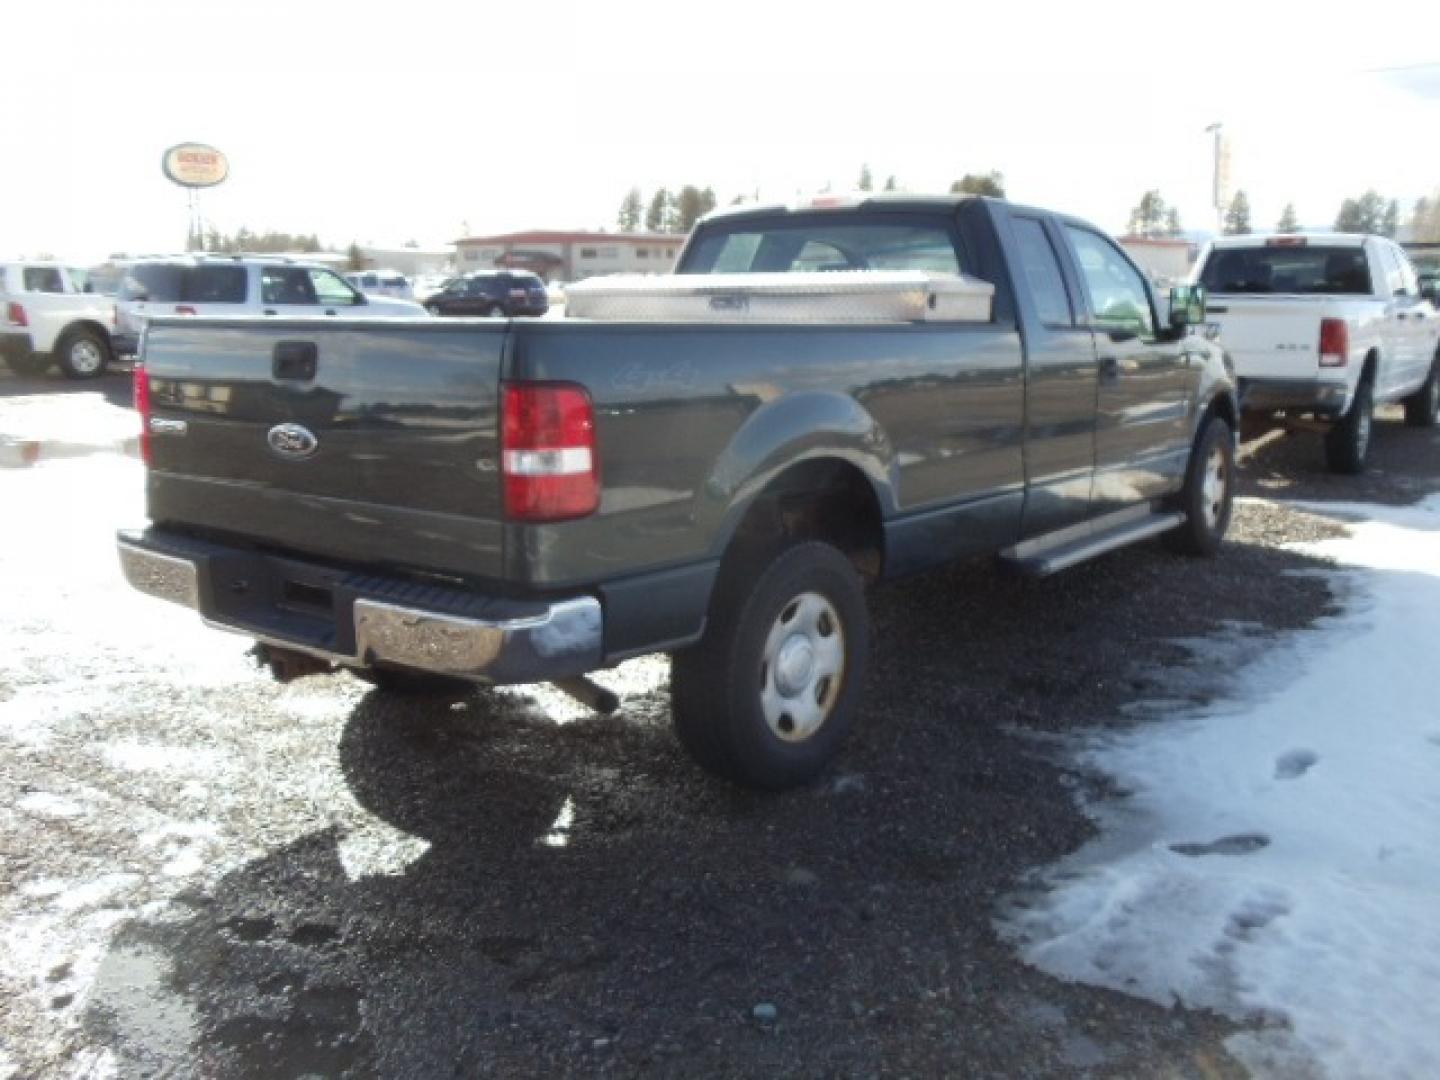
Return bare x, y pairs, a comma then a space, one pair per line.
1165, 259
409, 261
571, 256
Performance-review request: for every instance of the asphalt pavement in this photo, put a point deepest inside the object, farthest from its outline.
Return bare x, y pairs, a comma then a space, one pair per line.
206, 873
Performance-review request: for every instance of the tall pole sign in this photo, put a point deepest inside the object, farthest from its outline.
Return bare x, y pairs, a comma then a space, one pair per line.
1222, 185
194, 166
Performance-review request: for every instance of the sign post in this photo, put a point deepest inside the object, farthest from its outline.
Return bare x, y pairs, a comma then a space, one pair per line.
194, 166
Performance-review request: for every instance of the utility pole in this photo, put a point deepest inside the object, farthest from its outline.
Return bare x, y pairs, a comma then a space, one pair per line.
1220, 181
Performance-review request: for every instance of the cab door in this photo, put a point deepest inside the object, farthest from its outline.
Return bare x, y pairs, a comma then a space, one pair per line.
1147, 380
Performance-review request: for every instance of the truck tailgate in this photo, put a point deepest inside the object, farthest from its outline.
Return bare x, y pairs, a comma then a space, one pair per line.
1270, 337
373, 442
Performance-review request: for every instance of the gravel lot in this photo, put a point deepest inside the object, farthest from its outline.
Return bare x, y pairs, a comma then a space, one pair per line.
205, 873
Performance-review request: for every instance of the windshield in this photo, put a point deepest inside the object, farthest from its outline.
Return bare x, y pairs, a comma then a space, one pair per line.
823, 243
1325, 270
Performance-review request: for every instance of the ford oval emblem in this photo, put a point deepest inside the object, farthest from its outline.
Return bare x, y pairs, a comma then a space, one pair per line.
292, 441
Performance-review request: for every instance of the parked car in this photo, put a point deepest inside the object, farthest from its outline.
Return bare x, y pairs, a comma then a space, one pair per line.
493, 294
537, 499
49, 317
382, 283
227, 286
427, 285
1325, 327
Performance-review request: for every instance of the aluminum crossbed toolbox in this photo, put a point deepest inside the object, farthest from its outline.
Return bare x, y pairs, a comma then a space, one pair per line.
824, 297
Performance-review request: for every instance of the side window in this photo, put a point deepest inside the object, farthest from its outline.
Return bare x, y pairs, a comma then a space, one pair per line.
1391, 261
1042, 271
215, 284
286, 285
477, 286
1409, 280
331, 289
43, 279
1117, 293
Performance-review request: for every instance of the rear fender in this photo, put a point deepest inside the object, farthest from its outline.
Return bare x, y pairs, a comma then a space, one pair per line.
788, 430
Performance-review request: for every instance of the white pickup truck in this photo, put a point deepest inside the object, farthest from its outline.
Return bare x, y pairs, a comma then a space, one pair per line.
46, 316
1325, 327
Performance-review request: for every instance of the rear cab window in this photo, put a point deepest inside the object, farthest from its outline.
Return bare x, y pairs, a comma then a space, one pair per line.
42, 279
804, 243
1292, 269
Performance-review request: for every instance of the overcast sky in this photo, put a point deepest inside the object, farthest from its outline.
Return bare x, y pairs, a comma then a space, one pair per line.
390, 122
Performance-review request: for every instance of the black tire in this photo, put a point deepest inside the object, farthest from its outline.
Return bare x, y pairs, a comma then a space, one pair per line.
1347, 444
1422, 408
720, 687
1208, 497
434, 310
28, 364
403, 683
83, 354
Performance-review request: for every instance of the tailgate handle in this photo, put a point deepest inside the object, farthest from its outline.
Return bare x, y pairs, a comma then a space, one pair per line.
295, 359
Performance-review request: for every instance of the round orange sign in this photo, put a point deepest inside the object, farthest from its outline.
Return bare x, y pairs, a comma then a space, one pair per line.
195, 165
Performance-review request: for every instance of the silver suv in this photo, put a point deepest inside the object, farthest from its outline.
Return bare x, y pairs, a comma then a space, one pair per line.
230, 285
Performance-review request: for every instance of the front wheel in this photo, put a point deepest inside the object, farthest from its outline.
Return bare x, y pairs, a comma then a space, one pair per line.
494, 311
83, 354
1422, 408
771, 691
1348, 443
1208, 496
433, 309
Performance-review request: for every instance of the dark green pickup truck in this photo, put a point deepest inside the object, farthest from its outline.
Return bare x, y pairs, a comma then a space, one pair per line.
533, 500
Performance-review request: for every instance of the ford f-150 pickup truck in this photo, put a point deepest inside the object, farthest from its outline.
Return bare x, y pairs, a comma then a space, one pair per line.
46, 317
712, 466
1323, 328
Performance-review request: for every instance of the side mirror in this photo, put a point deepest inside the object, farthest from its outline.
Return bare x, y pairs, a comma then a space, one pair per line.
1187, 306
1430, 288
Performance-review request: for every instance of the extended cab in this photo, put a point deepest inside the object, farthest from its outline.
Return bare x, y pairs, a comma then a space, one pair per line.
821, 397
47, 316
1324, 328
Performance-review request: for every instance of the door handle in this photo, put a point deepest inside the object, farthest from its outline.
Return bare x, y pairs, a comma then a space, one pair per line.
330, 311
1109, 367
269, 311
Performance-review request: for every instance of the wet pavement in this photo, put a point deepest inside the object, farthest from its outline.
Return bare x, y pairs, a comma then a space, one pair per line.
206, 873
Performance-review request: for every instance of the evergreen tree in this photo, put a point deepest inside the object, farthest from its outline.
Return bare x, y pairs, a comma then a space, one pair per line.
891, 184
1148, 217
866, 183
354, 257
655, 216
991, 183
1425, 219
1289, 222
1390, 220
1237, 217
630, 211
707, 201
689, 206
1173, 228
1363, 215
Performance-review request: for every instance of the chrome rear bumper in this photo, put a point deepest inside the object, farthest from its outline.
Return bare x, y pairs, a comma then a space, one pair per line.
358, 621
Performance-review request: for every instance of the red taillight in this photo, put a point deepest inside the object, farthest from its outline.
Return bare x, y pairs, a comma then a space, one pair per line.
15, 314
547, 451
1334, 343
142, 406
184, 309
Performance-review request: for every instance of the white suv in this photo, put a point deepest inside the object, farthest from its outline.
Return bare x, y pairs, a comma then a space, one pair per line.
229, 285
47, 316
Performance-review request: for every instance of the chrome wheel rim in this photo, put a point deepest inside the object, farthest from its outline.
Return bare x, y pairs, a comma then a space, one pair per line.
802, 667
86, 357
1214, 487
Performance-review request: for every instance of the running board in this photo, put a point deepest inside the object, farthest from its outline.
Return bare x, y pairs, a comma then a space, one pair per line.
1046, 554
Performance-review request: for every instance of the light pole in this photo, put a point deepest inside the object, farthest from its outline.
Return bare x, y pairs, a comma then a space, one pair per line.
1221, 176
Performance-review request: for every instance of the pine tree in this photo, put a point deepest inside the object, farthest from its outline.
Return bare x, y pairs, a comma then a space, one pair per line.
1289, 222
707, 201
689, 206
1173, 228
1148, 217
630, 210
991, 183
891, 184
354, 258
1363, 215
867, 183
1390, 220
656, 214
1237, 217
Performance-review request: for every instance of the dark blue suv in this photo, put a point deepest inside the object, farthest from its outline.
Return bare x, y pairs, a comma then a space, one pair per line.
491, 293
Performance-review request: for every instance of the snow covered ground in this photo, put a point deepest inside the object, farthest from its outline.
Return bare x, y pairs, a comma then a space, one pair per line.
1276, 855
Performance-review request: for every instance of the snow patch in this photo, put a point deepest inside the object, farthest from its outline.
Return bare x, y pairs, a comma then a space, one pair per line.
1277, 856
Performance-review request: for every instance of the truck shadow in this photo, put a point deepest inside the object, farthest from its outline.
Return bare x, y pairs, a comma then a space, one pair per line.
583, 899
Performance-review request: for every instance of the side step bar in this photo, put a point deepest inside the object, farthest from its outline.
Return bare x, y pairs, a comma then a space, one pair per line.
1046, 554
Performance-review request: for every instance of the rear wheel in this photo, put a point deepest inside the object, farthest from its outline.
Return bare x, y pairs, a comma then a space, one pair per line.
1209, 492
83, 354
769, 694
1422, 408
29, 364
1348, 443
433, 309
494, 311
